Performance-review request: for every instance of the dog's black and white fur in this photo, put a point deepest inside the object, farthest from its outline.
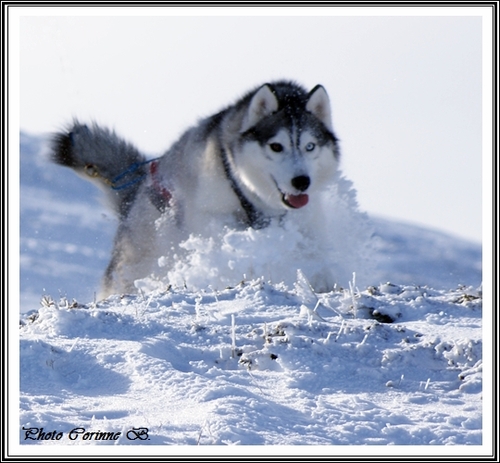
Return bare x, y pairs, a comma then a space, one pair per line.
266, 156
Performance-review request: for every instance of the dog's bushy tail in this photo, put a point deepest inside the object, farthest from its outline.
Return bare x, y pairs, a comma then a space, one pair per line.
98, 154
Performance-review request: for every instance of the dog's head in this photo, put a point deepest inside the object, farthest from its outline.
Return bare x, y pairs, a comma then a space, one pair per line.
286, 151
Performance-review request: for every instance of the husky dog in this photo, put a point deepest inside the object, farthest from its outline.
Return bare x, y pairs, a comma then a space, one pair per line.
264, 157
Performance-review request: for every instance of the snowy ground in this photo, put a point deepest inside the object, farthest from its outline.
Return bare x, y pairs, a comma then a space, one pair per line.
258, 362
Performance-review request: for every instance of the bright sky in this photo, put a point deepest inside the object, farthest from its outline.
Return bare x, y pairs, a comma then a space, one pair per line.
406, 91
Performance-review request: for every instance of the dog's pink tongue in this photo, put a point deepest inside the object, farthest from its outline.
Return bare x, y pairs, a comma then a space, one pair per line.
297, 200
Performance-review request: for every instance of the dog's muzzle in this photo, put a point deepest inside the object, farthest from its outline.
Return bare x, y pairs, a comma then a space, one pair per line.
301, 183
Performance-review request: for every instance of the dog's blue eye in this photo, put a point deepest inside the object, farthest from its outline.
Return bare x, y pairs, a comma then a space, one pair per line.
276, 147
310, 146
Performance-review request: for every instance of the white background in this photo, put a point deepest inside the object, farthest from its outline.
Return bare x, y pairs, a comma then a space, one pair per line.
406, 91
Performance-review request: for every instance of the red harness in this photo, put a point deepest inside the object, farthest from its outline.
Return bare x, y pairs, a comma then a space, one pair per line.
159, 195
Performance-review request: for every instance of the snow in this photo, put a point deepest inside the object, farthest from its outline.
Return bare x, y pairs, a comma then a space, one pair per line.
391, 356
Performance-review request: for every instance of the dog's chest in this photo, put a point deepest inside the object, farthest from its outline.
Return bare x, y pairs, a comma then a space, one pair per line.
211, 196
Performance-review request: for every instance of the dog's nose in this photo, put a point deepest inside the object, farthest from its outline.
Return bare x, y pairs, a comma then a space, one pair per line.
301, 182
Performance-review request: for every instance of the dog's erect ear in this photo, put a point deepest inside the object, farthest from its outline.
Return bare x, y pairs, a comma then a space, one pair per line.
263, 103
318, 104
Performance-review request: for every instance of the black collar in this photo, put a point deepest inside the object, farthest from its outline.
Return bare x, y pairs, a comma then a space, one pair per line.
255, 218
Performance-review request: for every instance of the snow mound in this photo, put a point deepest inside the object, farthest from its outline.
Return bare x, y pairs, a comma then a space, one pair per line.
257, 364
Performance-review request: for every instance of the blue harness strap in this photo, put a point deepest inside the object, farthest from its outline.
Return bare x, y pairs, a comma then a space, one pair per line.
159, 196
130, 171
